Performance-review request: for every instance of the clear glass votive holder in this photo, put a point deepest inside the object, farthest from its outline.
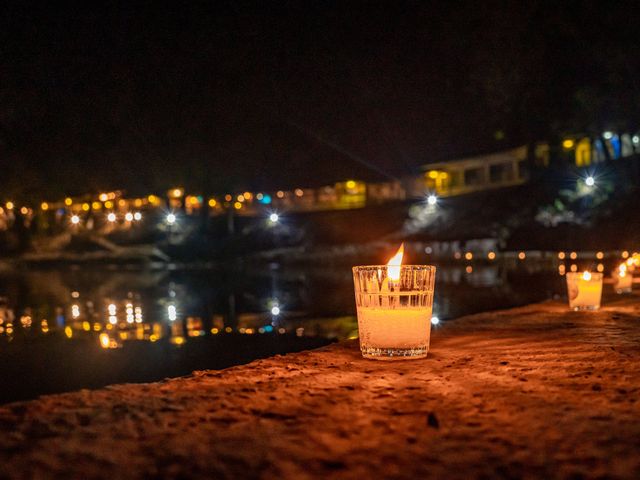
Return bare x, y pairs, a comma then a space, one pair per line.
584, 290
394, 310
623, 282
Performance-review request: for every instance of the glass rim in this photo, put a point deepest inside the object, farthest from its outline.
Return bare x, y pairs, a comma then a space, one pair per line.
593, 274
363, 267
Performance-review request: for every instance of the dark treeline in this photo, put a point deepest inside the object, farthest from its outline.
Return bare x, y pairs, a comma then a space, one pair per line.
225, 96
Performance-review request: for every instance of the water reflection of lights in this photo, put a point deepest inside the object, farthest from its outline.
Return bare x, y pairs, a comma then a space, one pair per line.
104, 340
129, 311
26, 321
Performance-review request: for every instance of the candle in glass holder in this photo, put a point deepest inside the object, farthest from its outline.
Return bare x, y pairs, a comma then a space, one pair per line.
584, 290
622, 280
394, 304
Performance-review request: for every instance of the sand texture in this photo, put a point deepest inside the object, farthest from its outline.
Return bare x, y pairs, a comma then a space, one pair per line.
534, 392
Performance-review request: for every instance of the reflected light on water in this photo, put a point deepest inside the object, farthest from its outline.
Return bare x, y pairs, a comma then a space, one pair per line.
171, 313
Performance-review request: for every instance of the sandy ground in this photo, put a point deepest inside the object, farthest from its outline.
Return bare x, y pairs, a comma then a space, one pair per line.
535, 392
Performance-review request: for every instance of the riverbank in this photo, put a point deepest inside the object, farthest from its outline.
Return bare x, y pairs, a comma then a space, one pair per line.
535, 391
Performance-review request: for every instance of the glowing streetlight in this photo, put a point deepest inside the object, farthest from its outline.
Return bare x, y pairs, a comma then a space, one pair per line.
275, 310
137, 216
590, 181
111, 217
172, 313
435, 320
171, 219
432, 199
75, 219
274, 218
128, 217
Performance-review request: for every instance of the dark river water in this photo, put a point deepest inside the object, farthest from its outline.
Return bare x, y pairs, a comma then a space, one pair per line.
85, 327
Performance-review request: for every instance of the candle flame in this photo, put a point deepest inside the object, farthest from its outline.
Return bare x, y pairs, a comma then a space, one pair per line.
586, 276
393, 265
622, 270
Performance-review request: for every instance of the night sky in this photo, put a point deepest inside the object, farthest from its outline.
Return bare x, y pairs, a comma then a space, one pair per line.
228, 96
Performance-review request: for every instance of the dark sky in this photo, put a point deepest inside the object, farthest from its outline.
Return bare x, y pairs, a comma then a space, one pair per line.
226, 96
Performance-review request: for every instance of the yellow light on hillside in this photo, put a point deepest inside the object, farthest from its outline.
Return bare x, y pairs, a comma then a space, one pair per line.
522, 256
237, 205
24, 210
248, 195
122, 202
491, 255
228, 197
86, 207
568, 144
176, 192
351, 184
96, 206
299, 192
44, 206
152, 199
600, 255
468, 256
108, 204
68, 201
240, 198
433, 174
137, 202
212, 202
280, 194
104, 197
9, 205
